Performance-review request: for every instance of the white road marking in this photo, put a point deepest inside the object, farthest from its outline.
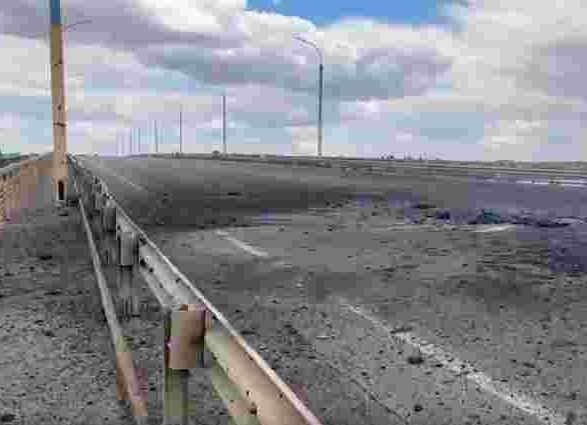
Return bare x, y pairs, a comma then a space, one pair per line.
409, 226
433, 227
245, 247
495, 228
501, 390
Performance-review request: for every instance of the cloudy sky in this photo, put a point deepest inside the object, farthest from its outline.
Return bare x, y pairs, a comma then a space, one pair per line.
474, 79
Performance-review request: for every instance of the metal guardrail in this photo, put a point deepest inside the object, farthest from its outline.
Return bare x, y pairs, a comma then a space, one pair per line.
18, 184
126, 378
251, 391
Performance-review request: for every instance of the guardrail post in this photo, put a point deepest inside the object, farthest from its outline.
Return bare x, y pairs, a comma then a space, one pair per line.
188, 329
101, 200
35, 180
30, 185
175, 381
27, 186
127, 257
169, 378
17, 191
22, 187
87, 195
6, 203
95, 208
3, 196
121, 395
109, 224
183, 350
13, 194
94, 192
10, 196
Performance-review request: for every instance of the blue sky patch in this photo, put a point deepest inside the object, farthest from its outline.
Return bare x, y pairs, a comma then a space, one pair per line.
324, 12
557, 135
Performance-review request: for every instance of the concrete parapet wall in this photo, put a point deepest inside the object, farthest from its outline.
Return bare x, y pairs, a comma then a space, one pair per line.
25, 184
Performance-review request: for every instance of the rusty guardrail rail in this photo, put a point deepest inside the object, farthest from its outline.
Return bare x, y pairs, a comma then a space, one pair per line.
252, 392
18, 185
126, 379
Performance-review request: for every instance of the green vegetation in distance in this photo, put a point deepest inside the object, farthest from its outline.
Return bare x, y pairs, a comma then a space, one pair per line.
9, 155
7, 158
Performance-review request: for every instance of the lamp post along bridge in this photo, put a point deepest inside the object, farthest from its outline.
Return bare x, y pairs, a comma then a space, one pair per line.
60, 175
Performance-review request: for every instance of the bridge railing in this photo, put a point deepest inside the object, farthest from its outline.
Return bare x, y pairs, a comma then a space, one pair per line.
251, 390
399, 166
19, 184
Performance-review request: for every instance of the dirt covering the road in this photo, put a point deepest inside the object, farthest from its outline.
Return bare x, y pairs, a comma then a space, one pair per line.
491, 299
56, 360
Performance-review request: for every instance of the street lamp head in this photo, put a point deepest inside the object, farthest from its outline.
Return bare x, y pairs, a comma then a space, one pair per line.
309, 43
75, 24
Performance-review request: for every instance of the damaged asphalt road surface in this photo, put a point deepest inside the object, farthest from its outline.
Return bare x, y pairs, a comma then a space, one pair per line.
383, 298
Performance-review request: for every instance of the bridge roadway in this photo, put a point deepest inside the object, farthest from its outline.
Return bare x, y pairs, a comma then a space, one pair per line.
375, 319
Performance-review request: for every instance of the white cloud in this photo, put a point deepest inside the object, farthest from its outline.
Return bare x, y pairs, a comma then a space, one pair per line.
513, 66
520, 60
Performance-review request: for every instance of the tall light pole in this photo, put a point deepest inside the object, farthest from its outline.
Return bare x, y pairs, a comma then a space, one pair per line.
320, 88
60, 175
224, 123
